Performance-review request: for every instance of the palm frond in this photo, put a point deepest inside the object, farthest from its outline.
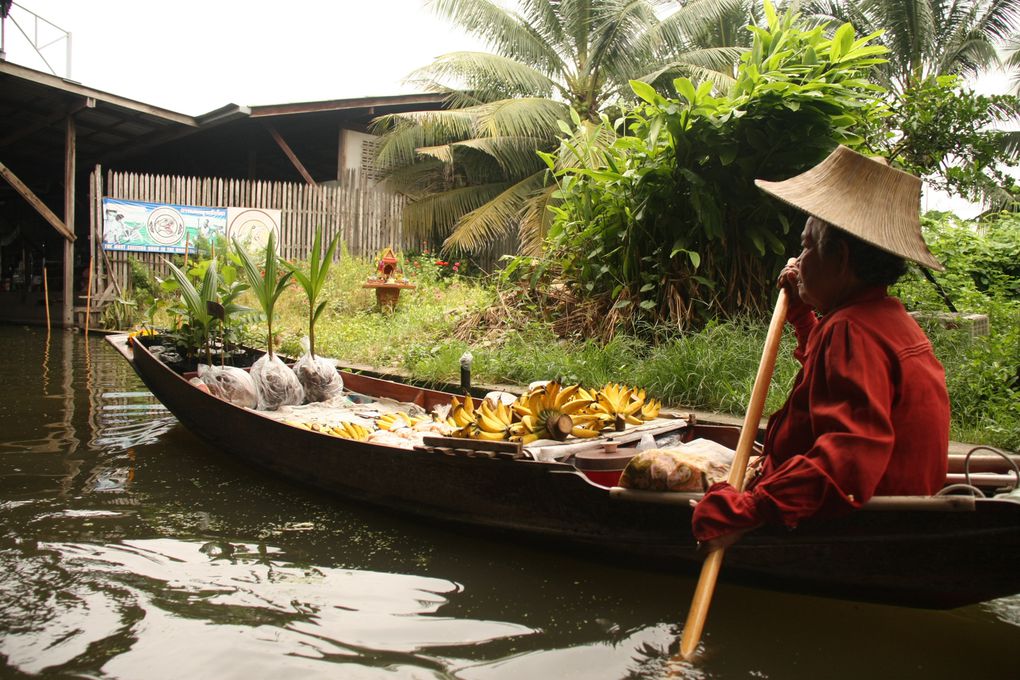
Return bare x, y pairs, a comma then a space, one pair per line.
483, 74
504, 30
525, 116
674, 33
536, 218
410, 131
497, 218
436, 214
515, 154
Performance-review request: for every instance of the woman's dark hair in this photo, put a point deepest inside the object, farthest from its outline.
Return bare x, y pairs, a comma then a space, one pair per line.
870, 263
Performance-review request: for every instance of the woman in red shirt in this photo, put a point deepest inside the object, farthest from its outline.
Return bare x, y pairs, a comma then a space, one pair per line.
869, 412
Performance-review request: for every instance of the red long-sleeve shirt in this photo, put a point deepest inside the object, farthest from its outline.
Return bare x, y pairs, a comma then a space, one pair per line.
868, 415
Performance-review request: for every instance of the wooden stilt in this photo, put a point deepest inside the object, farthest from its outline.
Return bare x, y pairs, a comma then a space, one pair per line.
46, 297
88, 302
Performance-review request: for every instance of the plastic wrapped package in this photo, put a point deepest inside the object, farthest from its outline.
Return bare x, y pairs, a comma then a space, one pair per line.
229, 383
318, 377
690, 467
275, 383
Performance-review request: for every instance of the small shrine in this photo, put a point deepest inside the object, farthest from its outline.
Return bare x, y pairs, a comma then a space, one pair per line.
388, 280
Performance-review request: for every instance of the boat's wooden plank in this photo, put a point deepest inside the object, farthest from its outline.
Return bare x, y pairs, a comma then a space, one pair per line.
878, 503
473, 445
631, 435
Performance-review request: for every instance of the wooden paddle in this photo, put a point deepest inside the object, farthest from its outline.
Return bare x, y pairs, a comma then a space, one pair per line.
713, 562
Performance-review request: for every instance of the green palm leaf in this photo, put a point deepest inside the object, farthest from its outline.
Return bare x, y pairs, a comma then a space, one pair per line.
267, 285
314, 280
547, 57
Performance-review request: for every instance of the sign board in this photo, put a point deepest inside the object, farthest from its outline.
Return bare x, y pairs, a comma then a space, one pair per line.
165, 228
158, 228
251, 227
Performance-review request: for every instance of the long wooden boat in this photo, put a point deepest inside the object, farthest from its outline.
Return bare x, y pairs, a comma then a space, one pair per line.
938, 552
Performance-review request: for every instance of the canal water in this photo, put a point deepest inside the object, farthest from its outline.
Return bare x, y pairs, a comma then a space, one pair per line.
129, 549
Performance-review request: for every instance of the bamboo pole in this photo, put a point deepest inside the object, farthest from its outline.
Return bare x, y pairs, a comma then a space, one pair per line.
710, 569
46, 296
88, 302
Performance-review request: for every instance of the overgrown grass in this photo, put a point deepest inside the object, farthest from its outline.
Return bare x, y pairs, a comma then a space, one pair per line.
712, 369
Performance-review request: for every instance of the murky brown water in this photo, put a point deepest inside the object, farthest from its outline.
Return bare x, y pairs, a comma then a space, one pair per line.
129, 549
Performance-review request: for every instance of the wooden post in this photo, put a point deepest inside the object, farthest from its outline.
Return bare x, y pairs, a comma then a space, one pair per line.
46, 295
88, 302
341, 153
70, 153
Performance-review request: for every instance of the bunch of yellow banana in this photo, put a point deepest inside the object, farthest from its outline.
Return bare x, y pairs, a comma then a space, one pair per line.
649, 407
615, 405
395, 421
461, 414
553, 412
494, 421
349, 430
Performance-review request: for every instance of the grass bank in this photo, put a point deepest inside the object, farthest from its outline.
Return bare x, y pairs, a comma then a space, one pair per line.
447, 314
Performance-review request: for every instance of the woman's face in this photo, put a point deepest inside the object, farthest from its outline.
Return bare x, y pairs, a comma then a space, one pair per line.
819, 282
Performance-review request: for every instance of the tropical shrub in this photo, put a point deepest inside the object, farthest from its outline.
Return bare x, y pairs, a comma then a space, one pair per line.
666, 224
982, 276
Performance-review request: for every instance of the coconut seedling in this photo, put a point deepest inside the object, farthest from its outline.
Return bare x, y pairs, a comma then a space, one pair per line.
266, 284
196, 300
313, 281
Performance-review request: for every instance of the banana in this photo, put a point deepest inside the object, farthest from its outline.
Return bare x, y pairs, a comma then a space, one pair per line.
394, 421
583, 432
494, 419
650, 411
461, 414
617, 404
349, 430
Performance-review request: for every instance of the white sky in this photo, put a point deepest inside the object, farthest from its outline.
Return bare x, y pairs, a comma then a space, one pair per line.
194, 56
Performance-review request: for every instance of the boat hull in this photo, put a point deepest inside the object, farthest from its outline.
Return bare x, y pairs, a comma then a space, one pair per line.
935, 555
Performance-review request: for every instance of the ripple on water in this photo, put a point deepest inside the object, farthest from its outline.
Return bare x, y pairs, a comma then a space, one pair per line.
1006, 609
208, 597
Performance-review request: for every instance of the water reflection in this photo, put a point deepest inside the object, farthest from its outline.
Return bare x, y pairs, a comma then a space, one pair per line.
246, 599
129, 549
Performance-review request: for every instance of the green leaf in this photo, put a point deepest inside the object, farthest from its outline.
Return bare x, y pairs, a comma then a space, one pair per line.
842, 40
685, 89
644, 91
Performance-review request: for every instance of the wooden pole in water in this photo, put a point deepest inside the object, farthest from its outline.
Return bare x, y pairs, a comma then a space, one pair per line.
46, 296
710, 568
88, 302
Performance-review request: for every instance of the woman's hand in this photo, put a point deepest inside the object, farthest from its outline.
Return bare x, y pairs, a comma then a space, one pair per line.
788, 281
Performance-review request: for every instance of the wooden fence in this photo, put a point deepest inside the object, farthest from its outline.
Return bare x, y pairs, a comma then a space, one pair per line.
367, 219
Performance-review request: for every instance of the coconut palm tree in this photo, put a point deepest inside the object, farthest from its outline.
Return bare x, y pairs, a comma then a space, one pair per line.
928, 39
471, 169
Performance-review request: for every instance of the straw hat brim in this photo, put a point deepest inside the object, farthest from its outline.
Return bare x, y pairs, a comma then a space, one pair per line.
863, 196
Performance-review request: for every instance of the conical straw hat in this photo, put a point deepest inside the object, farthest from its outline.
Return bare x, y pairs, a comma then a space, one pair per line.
864, 196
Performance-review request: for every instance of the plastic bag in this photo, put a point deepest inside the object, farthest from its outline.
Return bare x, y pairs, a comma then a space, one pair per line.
275, 383
681, 469
230, 383
318, 376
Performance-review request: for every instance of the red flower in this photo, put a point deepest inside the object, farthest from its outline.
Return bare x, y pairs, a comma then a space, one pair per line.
442, 263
